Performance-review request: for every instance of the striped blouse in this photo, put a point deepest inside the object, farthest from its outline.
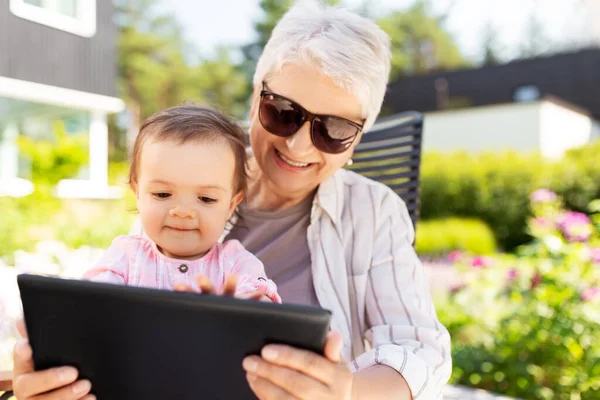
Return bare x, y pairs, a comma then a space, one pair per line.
365, 270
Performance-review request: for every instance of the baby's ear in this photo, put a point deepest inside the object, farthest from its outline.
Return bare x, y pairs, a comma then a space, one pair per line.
235, 201
134, 189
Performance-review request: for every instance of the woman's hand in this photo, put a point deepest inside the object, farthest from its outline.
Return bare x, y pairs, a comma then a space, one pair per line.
284, 372
229, 287
51, 384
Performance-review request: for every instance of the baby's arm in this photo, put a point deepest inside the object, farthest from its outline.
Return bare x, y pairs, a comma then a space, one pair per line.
250, 272
113, 266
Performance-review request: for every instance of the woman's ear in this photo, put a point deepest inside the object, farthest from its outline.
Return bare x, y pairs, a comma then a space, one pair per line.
235, 201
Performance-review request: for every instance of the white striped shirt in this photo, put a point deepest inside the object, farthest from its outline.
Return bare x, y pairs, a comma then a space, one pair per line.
367, 273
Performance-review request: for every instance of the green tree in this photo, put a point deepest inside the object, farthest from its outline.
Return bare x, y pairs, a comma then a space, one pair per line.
222, 84
155, 71
536, 40
419, 42
151, 66
490, 46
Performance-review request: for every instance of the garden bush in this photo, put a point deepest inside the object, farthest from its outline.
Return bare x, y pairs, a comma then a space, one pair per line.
439, 237
526, 325
495, 187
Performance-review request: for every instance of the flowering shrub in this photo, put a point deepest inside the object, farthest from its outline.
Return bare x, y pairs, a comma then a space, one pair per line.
527, 324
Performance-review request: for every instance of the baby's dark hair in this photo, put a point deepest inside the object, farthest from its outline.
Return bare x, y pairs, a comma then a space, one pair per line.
192, 123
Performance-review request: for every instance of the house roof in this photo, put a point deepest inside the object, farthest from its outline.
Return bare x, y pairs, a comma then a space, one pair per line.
572, 77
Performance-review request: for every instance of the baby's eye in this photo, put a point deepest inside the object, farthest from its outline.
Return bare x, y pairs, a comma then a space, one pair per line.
161, 195
207, 200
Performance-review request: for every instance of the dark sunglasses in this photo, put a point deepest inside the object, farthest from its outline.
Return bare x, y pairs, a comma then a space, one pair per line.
284, 117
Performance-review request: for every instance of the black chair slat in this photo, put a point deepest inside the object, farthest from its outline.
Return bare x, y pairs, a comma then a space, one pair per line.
359, 168
388, 144
404, 187
391, 154
410, 196
383, 177
402, 132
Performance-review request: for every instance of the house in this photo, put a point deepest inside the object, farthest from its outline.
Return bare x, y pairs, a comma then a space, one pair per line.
57, 63
546, 104
548, 126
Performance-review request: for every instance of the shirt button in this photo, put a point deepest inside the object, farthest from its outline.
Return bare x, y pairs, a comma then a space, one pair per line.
183, 268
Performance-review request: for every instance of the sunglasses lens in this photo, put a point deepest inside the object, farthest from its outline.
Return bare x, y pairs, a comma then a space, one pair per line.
332, 135
280, 116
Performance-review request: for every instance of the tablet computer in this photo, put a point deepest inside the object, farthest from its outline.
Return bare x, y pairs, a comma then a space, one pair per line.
139, 343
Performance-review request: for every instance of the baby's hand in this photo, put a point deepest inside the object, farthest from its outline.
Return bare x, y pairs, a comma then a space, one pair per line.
206, 286
256, 295
229, 287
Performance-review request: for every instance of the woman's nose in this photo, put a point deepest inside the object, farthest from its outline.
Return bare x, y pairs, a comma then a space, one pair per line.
300, 143
182, 211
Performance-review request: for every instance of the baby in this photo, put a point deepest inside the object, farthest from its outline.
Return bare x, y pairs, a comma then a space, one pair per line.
188, 173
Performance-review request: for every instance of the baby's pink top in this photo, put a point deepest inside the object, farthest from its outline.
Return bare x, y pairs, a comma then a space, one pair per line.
136, 261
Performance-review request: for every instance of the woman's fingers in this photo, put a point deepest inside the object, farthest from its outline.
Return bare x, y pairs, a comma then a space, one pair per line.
303, 361
333, 347
285, 380
285, 370
33, 383
23, 358
21, 328
265, 390
76, 391
28, 383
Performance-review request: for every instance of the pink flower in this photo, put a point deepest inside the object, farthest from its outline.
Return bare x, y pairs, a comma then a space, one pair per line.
542, 222
536, 279
575, 226
596, 255
542, 196
512, 274
590, 294
455, 256
481, 262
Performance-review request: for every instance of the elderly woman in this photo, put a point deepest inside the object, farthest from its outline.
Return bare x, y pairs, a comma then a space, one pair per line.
327, 236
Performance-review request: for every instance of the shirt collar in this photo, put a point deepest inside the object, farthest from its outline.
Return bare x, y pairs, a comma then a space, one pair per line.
330, 196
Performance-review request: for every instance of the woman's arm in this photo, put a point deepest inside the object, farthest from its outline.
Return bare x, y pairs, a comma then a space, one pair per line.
379, 382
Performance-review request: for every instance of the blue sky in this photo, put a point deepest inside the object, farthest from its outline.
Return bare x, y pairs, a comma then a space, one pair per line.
209, 23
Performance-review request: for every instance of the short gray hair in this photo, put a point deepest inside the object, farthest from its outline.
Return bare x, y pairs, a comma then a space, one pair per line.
350, 49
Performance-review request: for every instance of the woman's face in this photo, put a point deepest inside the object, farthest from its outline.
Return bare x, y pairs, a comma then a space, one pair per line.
292, 166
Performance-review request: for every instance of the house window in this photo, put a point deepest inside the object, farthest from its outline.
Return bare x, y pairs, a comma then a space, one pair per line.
75, 16
526, 93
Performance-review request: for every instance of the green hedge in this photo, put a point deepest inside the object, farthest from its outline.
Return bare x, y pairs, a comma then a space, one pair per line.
26, 221
495, 188
439, 237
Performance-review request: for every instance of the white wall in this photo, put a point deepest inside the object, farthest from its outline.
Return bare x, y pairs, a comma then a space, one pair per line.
488, 128
526, 127
562, 129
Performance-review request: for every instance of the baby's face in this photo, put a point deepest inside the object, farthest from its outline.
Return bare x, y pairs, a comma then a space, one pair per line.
185, 195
